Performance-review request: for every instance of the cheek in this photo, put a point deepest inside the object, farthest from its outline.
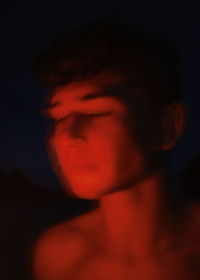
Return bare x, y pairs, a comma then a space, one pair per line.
58, 154
112, 145
119, 160
54, 148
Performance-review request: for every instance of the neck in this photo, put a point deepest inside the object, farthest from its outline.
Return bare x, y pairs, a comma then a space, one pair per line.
136, 218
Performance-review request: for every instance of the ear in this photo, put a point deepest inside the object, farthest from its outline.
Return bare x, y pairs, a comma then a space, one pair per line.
173, 124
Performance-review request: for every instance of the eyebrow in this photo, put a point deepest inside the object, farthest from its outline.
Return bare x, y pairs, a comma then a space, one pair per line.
47, 104
111, 91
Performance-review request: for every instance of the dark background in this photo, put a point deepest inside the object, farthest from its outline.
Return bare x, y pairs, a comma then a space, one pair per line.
31, 198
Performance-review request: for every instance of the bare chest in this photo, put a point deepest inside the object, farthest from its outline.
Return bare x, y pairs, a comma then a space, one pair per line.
170, 267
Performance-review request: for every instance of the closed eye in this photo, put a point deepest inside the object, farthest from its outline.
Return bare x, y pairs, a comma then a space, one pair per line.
98, 115
52, 121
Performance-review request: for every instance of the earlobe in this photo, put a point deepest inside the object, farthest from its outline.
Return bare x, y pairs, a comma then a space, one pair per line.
174, 119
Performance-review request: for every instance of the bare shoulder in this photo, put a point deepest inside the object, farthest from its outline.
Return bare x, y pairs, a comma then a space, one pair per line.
61, 247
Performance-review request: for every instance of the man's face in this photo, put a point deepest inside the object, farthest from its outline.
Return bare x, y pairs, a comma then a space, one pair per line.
92, 147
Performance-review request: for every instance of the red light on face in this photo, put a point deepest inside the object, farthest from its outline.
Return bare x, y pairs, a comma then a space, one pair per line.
97, 152
81, 169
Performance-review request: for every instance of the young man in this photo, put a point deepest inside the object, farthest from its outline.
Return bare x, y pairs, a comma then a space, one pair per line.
115, 108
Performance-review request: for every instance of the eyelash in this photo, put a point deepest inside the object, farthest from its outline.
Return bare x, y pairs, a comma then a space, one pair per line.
52, 121
98, 115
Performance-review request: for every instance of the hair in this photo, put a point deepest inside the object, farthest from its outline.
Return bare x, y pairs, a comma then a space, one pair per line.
144, 58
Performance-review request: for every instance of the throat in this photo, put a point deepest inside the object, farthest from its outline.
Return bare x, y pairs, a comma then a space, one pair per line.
137, 220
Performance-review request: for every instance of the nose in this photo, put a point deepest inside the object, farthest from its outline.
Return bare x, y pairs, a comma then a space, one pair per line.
76, 128
72, 130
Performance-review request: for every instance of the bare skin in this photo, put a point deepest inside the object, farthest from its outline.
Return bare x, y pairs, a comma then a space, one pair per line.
140, 231
81, 249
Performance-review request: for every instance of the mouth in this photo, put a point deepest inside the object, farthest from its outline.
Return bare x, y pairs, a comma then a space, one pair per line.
81, 168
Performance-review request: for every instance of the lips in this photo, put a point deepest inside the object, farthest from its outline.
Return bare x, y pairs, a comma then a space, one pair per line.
81, 168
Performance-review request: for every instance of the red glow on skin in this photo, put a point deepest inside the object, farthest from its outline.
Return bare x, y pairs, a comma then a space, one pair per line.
134, 234
102, 142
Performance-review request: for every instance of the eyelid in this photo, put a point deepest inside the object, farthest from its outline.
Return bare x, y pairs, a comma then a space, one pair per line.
83, 115
100, 114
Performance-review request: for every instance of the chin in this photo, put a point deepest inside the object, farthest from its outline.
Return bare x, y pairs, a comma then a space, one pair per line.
88, 185
91, 189
87, 191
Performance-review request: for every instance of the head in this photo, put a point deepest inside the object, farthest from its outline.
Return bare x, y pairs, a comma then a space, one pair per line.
114, 98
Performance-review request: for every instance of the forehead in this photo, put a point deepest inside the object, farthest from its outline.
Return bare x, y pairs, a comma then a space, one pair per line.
97, 85
73, 92
84, 95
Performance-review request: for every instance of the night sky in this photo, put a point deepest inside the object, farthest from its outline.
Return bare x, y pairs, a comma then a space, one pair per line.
28, 27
